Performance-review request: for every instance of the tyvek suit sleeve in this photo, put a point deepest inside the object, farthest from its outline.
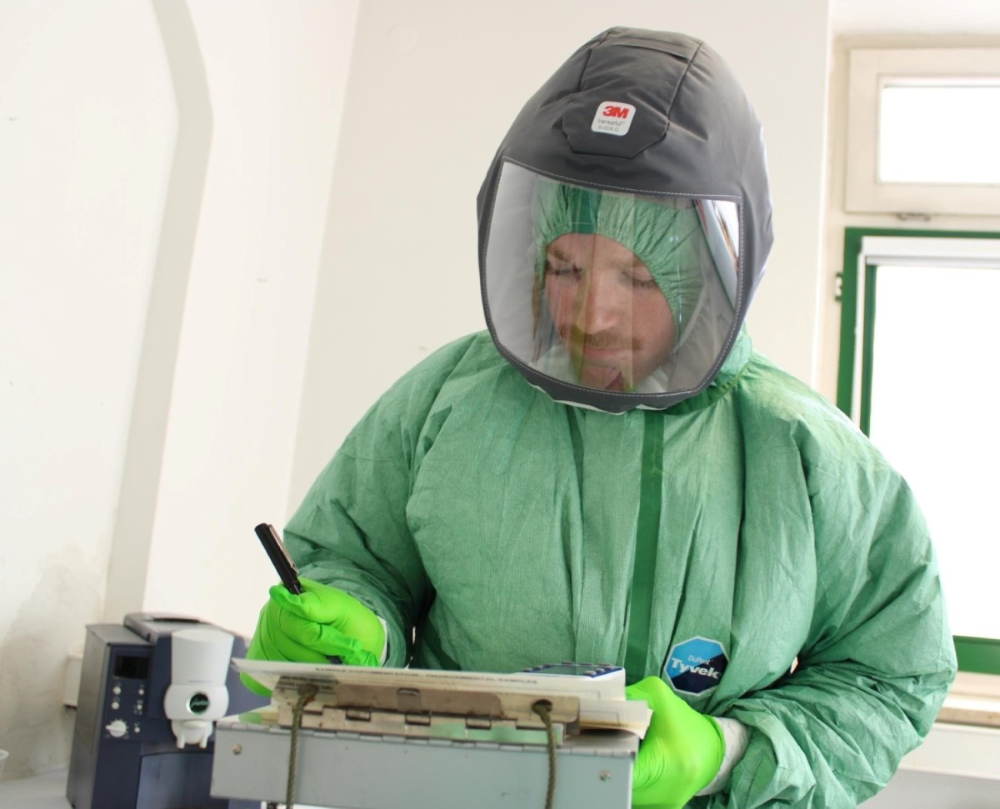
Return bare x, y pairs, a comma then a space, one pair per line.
879, 658
350, 531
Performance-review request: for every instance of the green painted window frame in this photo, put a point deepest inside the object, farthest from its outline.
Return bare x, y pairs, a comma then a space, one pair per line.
975, 655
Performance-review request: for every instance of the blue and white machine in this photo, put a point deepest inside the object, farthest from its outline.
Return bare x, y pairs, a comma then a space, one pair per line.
150, 694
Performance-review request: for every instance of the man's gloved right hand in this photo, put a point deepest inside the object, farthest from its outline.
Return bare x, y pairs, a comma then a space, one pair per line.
681, 752
321, 623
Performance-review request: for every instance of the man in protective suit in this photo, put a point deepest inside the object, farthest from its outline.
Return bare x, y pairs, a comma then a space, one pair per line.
612, 474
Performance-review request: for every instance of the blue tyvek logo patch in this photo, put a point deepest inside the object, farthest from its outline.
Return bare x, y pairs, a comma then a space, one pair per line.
696, 665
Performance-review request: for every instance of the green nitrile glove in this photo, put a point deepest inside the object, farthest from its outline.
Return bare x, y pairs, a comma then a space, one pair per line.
321, 623
682, 751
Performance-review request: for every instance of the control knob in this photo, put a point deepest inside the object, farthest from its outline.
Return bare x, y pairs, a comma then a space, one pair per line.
117, 728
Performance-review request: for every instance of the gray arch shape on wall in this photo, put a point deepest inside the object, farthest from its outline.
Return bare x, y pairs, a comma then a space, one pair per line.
137, 500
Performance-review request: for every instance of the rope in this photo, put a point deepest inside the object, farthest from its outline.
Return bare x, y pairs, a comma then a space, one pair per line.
306, 692
542, 708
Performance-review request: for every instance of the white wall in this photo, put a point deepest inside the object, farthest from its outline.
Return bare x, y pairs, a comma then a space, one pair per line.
276, 93
201, 294
85, 151
158, 257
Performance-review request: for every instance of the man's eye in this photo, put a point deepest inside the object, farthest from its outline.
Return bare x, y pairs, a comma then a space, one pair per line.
562, 270
639, 281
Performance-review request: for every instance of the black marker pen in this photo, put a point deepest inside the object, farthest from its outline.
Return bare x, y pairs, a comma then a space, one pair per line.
282, 562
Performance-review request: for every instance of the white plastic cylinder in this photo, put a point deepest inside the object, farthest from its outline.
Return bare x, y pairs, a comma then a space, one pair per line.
200, 656
197, 695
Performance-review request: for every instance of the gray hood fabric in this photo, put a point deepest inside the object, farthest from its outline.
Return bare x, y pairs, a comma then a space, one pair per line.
694, 133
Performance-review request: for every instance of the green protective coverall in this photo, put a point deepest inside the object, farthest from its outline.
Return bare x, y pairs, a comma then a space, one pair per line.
509, 530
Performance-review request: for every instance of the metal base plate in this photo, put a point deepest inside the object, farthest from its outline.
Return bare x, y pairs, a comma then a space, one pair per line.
352, 771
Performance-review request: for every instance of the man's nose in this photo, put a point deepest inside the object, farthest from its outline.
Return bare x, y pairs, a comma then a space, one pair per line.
602, 303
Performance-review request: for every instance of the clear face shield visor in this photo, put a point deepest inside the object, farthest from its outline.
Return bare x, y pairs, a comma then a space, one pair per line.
609, 290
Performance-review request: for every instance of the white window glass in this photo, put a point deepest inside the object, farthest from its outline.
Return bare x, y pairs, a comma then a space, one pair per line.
933, 413
939, 133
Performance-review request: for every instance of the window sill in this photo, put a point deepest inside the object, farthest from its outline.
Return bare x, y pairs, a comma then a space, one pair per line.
974, 699
965, 710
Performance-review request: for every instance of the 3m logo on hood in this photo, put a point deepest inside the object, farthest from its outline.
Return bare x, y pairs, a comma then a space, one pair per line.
613, 118
696, 665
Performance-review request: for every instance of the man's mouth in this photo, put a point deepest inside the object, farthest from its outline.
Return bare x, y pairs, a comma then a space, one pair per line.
591, 353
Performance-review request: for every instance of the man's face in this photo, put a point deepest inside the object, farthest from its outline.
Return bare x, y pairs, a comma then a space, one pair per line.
609, 311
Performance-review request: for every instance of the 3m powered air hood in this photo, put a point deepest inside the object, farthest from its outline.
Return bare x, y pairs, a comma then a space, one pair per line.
634, 118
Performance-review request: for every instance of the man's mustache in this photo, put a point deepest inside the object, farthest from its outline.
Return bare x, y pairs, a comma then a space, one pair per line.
599, 339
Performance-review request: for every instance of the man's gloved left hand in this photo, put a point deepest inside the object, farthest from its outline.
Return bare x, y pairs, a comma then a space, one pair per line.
682, 751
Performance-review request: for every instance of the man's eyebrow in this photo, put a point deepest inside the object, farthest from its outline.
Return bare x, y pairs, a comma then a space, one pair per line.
624, 264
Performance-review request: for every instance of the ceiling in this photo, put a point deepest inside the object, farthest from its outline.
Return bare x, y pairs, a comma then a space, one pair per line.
915, 16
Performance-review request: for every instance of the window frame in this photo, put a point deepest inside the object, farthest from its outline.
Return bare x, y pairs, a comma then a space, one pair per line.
857, 319
870, 69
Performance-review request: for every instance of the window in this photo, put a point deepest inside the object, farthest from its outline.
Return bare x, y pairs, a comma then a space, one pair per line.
918, 373
922, 131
